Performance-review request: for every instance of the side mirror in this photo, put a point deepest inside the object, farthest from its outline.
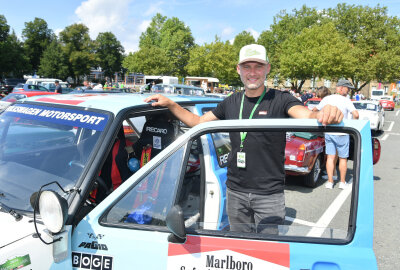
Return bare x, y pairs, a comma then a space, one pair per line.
176, 225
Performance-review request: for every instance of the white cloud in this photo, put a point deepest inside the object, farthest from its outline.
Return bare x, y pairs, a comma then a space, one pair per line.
253, 32
118, 17
103, 15
227, 31
153, 9
143, 26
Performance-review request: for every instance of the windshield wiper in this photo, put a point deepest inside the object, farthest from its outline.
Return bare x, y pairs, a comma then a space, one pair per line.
11, 211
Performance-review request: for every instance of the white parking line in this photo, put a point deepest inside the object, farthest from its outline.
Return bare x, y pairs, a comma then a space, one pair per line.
385, 137
299, 221
390, 127
397, 113
329, 214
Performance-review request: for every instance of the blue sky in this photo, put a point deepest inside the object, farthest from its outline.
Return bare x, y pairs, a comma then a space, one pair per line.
127, 19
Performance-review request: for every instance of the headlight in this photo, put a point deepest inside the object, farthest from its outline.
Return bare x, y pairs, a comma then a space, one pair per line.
53, 210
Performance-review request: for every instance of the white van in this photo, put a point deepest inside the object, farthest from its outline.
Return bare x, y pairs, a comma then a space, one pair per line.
376, 94
46, 82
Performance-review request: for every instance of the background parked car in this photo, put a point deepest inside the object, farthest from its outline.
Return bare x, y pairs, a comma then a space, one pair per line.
13, 97
305, 156
312, 102
8, 84
387, 102
371, 110
31, 87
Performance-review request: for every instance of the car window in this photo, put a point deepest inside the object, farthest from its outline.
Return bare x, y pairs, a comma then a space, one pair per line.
150, 201
197, 191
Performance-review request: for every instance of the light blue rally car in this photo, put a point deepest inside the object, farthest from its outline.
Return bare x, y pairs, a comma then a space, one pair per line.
106, 181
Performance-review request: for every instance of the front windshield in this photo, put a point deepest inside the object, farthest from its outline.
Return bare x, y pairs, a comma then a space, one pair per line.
39, 145
365, 106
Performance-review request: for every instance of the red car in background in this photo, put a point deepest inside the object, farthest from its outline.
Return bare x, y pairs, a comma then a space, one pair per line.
312, 102
13, 97
305, 156
387, 103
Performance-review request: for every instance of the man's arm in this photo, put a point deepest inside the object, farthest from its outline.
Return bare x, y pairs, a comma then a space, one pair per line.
190, 119
355, 114
327, 115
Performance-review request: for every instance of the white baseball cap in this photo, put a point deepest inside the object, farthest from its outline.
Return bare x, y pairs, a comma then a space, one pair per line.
253, 53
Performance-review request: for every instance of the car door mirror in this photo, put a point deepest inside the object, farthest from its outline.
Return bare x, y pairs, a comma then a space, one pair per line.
176, 224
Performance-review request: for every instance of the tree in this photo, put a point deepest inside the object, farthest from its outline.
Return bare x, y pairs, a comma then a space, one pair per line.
310, 55
374, 36
285, 26
171, 39
109, 52
149, 60
78, 47
13, 60
242, 39
217, 59
4, 28
54, 63
37, 37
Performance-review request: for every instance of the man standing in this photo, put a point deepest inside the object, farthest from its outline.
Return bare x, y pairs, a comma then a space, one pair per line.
338, 143
58, 87
255, 184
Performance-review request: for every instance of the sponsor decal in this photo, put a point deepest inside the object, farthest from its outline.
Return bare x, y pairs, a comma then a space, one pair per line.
15, 263
95, 236
208, 253
76, 118
157, 130
157, 142
93, 245
91, 261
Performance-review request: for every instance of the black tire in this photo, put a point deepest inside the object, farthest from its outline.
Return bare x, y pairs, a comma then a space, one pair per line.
312, 178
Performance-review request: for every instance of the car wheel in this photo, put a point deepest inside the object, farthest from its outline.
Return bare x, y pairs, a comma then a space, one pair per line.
311, 179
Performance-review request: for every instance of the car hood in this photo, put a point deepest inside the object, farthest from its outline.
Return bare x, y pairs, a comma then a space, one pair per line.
12, 230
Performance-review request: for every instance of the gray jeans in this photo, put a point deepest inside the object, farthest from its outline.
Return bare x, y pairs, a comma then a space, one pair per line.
249, 212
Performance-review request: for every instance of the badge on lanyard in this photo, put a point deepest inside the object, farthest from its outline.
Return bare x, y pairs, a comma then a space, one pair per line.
241, 156
241, 159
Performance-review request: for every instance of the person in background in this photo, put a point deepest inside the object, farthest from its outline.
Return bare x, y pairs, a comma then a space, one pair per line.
338, 142
255, 192
58, 87
86, 85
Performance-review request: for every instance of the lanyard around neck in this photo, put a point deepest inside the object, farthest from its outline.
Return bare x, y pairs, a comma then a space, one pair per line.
244, 134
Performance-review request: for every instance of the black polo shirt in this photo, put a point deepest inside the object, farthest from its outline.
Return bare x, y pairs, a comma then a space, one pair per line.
265, 151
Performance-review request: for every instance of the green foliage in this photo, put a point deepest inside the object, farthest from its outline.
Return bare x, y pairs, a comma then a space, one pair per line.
13, 60
375, 37
37, 37
150, 60
54, 63
4, 28
109, 52
217, 59
79, 50
242, 39
164, 46
311, 55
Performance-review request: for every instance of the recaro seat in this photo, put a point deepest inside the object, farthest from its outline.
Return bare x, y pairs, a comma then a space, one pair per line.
158, 132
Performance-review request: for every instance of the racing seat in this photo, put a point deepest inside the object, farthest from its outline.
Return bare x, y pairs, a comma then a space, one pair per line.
158, 132
115, 169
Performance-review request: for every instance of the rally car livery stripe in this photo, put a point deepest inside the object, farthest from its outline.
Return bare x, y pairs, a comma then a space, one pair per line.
60, 101
277, 253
